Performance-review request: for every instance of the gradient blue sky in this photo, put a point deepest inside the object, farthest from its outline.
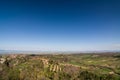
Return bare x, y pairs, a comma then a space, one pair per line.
60, 25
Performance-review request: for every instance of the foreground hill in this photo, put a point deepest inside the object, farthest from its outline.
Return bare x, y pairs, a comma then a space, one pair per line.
105, 66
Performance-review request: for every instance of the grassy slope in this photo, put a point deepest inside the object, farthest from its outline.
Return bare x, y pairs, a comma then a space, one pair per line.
61, 67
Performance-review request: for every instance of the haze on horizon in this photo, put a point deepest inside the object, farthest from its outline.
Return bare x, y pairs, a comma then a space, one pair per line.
60, 25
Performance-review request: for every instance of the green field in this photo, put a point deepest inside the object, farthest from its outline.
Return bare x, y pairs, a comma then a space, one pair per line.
92, 66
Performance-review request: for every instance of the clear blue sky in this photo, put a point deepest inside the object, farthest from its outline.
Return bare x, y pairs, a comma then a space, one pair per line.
60, 25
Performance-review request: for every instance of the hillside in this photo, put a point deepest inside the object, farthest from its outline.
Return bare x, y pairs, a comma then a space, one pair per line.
104, 66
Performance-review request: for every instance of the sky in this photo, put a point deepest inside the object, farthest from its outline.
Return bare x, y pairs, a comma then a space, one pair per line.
60, 25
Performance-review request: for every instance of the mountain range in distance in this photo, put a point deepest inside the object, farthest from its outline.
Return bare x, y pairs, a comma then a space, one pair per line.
54, 52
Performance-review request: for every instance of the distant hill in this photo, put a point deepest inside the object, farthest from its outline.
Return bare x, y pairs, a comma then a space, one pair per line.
54, 52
